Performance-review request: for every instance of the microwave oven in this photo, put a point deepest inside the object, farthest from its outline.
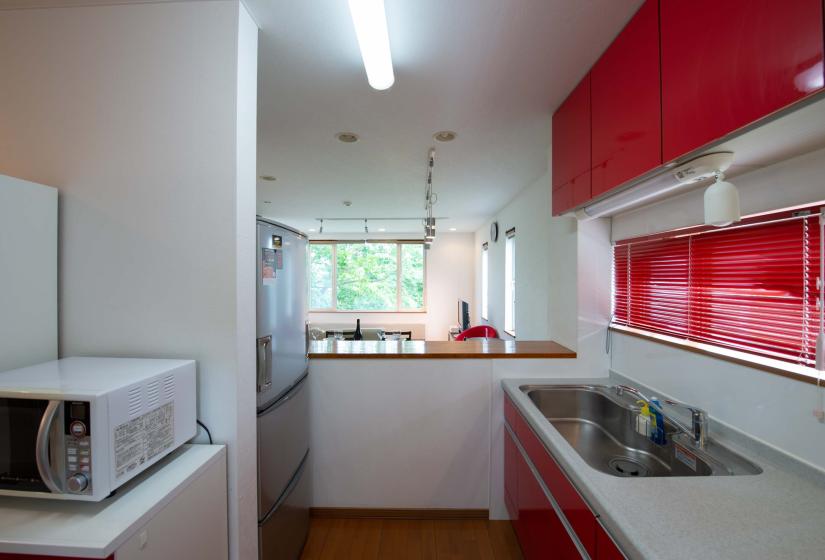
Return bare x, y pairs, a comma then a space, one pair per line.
79, 428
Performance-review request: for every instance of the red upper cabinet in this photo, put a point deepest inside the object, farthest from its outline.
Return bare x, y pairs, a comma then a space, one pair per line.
571, 148
727, 64
626, 103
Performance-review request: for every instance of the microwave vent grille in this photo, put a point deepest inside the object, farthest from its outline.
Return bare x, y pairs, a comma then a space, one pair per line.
169, 387
135, 401
153, 394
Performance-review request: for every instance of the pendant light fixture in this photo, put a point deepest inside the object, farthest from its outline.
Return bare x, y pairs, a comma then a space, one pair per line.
721, 203
429, 199
370, 21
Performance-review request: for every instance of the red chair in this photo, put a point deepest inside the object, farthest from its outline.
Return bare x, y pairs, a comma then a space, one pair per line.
479, 331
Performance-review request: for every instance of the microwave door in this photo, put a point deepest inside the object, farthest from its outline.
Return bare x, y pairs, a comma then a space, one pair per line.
27, 457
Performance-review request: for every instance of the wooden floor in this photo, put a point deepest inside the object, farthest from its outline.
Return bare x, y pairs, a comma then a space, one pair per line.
405, 539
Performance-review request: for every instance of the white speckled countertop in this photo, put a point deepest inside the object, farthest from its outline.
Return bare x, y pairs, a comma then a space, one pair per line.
778, 514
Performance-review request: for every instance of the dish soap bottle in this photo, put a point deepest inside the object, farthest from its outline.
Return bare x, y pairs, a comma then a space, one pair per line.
658, 429
357, 334
643, 420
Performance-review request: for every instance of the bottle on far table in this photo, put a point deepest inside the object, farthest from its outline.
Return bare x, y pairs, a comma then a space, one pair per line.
357, 335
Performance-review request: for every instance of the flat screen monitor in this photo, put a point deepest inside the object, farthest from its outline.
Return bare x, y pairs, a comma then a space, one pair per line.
463, 315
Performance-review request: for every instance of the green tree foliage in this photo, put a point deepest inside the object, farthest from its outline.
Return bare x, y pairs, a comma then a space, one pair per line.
366, 279
320, 276
412, 277
366, 276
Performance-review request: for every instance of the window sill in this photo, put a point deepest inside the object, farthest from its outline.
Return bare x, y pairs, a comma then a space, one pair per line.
778, 367
342, 312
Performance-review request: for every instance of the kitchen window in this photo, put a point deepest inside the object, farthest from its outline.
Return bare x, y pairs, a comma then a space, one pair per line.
510, 283
367, 276
485, 281
747, 292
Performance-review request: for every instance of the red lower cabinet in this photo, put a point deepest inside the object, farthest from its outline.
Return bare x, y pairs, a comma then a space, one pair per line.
606, 549
575, 509
539, 528
511, 459
540, 531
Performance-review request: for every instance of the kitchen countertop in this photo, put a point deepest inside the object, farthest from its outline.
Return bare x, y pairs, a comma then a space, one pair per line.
436, 349
96, 529
779, 513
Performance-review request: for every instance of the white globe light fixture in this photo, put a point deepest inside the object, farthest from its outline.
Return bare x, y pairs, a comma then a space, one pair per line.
721, 203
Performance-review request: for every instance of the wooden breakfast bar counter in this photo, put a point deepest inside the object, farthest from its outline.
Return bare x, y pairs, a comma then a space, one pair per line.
482, 349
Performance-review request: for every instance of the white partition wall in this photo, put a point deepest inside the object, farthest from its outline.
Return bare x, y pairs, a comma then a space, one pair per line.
28, 273
143, 115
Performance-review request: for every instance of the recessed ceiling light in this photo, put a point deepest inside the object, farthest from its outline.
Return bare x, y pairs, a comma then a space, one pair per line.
267, 202
452, 229
347, 137
312, 229
267, 178
382, 229
444, 136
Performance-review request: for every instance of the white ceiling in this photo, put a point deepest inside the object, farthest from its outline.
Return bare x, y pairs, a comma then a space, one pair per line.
491, 70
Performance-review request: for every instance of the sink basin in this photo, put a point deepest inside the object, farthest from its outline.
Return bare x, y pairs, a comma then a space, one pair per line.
600, 426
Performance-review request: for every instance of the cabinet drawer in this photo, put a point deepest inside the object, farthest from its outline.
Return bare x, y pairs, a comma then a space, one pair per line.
510, 412
511, 455
606, 547
541, 533
283, 440
573, 506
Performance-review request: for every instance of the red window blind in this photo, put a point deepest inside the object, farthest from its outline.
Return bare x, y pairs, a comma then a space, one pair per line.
751, 287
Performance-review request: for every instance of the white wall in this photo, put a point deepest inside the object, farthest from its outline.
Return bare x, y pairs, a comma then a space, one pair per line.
562, 294
28, 273
772, 408
450, 277
546, 276
143, 116
400, 433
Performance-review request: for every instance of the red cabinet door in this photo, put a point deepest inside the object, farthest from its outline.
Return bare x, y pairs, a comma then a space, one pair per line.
606, 548
727, 64
575, 509
562, 199
511, 458
626, 103
571, 142
540, 531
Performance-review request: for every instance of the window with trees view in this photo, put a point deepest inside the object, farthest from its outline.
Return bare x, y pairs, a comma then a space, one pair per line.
371, 276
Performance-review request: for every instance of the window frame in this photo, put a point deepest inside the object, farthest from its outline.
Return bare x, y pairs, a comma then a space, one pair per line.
510, 282
485, 281
398, 274
788, 369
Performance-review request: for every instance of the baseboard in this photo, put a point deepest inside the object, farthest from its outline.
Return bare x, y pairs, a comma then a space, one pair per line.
398, 513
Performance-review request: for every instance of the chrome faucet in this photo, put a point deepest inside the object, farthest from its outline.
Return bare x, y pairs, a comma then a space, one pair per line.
699, 418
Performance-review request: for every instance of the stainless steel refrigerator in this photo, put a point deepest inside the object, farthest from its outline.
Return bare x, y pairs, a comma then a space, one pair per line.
283, 408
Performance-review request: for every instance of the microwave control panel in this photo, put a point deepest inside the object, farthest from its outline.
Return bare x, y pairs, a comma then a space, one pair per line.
78, 438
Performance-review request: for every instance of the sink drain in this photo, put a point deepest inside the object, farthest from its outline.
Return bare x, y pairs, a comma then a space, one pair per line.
627, 467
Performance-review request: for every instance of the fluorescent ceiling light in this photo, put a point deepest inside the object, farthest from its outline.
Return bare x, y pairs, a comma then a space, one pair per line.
370, 23
667, 183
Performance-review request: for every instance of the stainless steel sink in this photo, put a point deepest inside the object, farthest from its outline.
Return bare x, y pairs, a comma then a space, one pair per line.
600, 425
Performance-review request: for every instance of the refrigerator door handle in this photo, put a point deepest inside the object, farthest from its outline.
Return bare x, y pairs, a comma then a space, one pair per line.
264, 357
